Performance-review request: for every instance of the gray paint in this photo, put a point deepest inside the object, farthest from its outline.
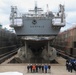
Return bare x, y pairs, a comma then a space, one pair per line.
42, 27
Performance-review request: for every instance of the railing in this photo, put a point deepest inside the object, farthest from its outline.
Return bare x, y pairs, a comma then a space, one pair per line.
16, 22
8, 46
57, 22
7, 55
61, 53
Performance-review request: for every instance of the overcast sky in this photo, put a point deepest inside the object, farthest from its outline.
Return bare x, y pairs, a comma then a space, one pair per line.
24, 5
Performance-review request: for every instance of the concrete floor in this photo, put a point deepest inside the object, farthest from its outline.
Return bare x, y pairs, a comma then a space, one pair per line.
56, 69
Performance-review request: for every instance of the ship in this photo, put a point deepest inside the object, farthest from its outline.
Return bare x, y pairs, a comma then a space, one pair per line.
36, 30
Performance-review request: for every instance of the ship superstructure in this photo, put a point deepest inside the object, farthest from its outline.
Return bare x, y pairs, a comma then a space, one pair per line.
37, 29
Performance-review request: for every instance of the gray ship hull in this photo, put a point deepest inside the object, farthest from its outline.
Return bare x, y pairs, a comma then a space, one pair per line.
37, 48
42, 27
36, 29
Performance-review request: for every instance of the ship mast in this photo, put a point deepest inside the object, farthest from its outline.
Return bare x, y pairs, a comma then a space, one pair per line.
35, 8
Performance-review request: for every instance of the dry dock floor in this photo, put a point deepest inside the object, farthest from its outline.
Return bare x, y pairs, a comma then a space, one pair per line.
56, 69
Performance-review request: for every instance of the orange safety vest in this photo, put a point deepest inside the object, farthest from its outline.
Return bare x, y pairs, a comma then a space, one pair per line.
33, 67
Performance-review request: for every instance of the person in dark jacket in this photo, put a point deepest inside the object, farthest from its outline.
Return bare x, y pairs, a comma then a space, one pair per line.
67, 62
70, 67
37, 68
31, 68
42, 68
28, 67
75, 65
49, 68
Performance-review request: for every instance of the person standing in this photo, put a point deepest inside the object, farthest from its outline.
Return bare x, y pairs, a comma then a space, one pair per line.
37, 68
70, 67
33, 68
42, 68
49, 68
28, 67
75, 65
45, 67
67, 62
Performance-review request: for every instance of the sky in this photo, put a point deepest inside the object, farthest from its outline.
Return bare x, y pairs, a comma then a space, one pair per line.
24, 5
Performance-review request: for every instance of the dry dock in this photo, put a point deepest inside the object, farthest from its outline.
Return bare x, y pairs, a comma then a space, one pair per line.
56, 69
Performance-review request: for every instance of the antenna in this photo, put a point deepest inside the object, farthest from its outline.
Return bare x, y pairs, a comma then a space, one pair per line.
35, 7
35, 3
47, 8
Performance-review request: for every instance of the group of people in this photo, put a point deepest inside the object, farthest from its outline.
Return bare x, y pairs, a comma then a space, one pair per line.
71, 65
38, 68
